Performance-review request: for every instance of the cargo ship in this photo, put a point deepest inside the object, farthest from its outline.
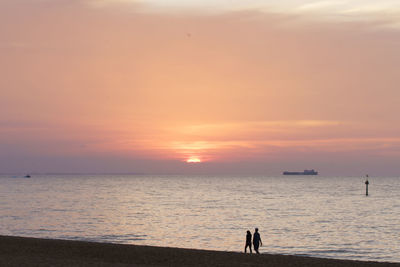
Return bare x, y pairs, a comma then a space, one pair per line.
305, 172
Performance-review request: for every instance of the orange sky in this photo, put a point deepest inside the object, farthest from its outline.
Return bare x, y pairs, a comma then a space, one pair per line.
125, 87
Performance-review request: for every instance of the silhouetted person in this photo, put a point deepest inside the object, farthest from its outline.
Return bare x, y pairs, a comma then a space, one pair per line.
256, 240
248, 242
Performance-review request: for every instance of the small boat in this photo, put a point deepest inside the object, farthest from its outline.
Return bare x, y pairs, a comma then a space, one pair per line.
27, 176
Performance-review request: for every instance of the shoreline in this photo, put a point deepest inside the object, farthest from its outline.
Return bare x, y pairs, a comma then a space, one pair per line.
28, 251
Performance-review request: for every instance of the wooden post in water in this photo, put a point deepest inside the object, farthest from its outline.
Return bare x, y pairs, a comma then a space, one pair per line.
366, 186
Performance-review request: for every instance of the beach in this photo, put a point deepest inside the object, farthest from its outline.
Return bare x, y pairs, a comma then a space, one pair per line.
23, 251
295, 215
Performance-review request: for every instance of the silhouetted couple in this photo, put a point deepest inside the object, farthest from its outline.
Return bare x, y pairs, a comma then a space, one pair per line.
256, 241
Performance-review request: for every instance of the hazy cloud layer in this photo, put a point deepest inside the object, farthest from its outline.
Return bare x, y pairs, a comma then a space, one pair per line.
99, 81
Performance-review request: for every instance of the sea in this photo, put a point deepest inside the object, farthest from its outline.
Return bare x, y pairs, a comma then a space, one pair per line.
329, 217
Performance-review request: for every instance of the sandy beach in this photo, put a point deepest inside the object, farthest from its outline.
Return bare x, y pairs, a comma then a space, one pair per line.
22, 251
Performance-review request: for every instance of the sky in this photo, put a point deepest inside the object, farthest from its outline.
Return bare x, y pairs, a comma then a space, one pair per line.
200, 87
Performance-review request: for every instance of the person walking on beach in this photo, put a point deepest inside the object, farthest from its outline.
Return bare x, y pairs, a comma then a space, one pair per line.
248, 242
256, 240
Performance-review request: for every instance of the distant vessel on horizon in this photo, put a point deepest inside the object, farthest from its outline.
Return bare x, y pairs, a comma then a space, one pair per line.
305, 172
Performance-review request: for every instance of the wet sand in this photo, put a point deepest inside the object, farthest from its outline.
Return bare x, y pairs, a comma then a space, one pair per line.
20, 251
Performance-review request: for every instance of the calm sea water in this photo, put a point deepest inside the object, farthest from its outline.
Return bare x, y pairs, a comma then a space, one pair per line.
306, 215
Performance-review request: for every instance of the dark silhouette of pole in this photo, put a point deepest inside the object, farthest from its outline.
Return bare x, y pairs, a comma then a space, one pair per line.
366, 186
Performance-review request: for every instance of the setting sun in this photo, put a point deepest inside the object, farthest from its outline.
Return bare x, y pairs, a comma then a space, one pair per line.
193, 160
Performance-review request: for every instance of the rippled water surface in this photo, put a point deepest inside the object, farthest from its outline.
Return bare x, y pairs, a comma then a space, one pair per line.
306, 215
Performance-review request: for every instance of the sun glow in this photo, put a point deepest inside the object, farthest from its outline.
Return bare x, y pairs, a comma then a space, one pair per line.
193, 160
